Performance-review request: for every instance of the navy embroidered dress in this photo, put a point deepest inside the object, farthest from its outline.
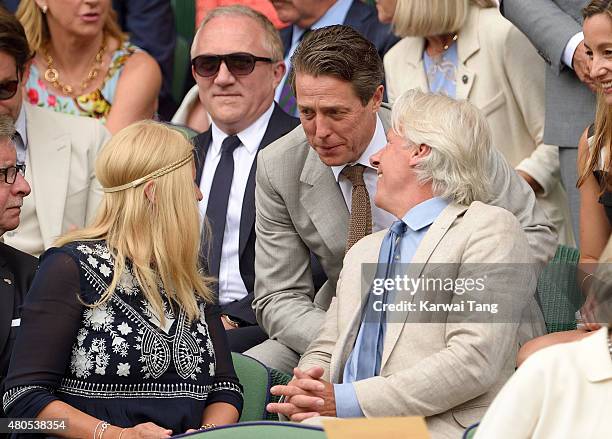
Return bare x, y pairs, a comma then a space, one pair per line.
116, 362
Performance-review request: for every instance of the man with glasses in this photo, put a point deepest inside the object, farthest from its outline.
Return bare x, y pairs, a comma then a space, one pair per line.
16, 268
237, 62
59, 151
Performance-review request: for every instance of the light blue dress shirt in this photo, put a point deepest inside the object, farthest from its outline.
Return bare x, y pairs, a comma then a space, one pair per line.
418, 219
336, 14
442, 73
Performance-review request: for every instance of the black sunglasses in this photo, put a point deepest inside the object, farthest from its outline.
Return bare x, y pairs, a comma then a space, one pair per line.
10, 173
239, 64
8, 89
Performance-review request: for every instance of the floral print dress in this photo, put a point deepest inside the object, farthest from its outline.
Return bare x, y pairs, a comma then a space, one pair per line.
96, 104
120, 362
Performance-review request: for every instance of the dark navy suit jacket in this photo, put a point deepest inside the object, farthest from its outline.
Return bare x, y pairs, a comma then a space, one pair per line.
280, 124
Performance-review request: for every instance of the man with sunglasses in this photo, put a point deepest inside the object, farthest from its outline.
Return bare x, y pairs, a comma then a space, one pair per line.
59, 151
16, 268
237, 62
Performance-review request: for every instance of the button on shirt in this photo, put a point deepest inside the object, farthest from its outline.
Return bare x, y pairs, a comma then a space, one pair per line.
381, 219
336, 14
231, 285
418, 219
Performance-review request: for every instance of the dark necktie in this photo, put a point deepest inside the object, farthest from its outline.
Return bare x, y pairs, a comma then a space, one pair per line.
360, 223
216, 211
287, 100
373, 327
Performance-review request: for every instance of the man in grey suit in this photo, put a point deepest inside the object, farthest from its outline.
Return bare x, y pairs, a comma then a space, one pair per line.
388, 351
554, 27
314, 187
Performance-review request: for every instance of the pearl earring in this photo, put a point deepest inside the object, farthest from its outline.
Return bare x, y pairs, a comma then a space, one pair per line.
44, 9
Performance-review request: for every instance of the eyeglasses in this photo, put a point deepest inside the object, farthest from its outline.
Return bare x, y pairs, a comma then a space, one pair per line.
10, 173
8, 89
239, 64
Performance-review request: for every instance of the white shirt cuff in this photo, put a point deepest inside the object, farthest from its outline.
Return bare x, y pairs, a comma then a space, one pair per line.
570, 48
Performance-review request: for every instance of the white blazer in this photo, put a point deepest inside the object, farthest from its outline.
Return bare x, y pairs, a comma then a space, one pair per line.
61, 156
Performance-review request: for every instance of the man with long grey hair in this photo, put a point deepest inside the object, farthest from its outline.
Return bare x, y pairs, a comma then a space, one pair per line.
429, 350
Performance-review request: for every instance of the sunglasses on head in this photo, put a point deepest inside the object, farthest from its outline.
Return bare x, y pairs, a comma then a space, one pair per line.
239, 64
8, 89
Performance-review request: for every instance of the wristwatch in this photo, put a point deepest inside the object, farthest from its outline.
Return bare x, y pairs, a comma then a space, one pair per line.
227, 319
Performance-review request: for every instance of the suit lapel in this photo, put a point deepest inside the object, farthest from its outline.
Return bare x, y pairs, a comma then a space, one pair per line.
427, 246
413, 69
286, 35
7, 301
50, 163
357, 14
324, 203
202, 143
280, 124
467, 46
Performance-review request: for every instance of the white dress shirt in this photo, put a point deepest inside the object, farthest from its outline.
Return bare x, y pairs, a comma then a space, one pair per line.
231, 285
570, 49
381, 219
21, 142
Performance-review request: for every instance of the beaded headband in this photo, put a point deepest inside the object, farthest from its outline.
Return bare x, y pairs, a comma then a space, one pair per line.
162, 171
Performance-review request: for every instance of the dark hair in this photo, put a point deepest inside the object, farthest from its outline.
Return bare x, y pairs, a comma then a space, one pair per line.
13, 40
597, 7
342, 52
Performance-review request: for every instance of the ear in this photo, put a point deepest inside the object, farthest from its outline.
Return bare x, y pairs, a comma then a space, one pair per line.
377, 98
279, 71
149, 190
419, 153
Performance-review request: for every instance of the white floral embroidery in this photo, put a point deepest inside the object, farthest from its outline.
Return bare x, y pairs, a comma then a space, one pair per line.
105, 270
124, 328
123, 369
84, 249
100, 317
92, 261
81, 362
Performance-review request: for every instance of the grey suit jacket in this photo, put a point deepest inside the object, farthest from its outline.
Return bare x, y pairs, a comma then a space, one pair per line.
447, 371
549, 25
300, 209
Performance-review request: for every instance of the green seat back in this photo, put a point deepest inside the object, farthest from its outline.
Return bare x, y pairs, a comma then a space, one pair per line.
558, 292
184, 20
262, 430
255, 380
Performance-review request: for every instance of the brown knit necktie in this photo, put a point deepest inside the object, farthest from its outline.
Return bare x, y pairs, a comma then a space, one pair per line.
360, 223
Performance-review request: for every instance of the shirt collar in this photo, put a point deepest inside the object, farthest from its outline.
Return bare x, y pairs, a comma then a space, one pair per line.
21, 126
336, 14
250, 137
379, 140
425, 213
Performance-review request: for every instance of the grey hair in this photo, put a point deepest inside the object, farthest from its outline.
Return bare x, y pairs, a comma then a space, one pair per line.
271, 38
460, 141
7, 128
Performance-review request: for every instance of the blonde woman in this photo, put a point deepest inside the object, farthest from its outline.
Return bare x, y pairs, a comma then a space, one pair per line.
465, 49
119, 335
85, 65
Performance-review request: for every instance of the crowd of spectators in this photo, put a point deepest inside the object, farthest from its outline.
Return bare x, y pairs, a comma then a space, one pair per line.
328, 154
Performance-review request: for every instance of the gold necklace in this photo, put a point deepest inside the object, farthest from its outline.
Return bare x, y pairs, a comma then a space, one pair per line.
53, 77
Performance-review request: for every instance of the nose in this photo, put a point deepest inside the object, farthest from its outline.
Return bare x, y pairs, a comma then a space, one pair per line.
375, 159
597, 69
322, 127
21, 187
224, 76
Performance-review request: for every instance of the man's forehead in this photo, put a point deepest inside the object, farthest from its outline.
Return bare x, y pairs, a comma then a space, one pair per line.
8, 154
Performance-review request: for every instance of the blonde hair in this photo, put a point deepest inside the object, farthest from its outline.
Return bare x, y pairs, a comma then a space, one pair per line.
424, 18
459, 138
161, 237
271, 38
37, 30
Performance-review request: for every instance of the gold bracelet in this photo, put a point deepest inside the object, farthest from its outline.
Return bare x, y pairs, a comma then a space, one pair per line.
121, 432
207, 426
583, 280
96, 429
227, 319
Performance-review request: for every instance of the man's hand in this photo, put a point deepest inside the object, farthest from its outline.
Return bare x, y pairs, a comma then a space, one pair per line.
582, 66
531, 182
306, 396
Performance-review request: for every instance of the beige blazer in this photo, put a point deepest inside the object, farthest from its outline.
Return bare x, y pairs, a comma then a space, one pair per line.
62, 151
501, 73
451, 370
300, 210
563, 392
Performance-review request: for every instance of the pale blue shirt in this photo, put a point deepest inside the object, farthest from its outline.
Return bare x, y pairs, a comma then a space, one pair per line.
418, 219
442, 73
336, 14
